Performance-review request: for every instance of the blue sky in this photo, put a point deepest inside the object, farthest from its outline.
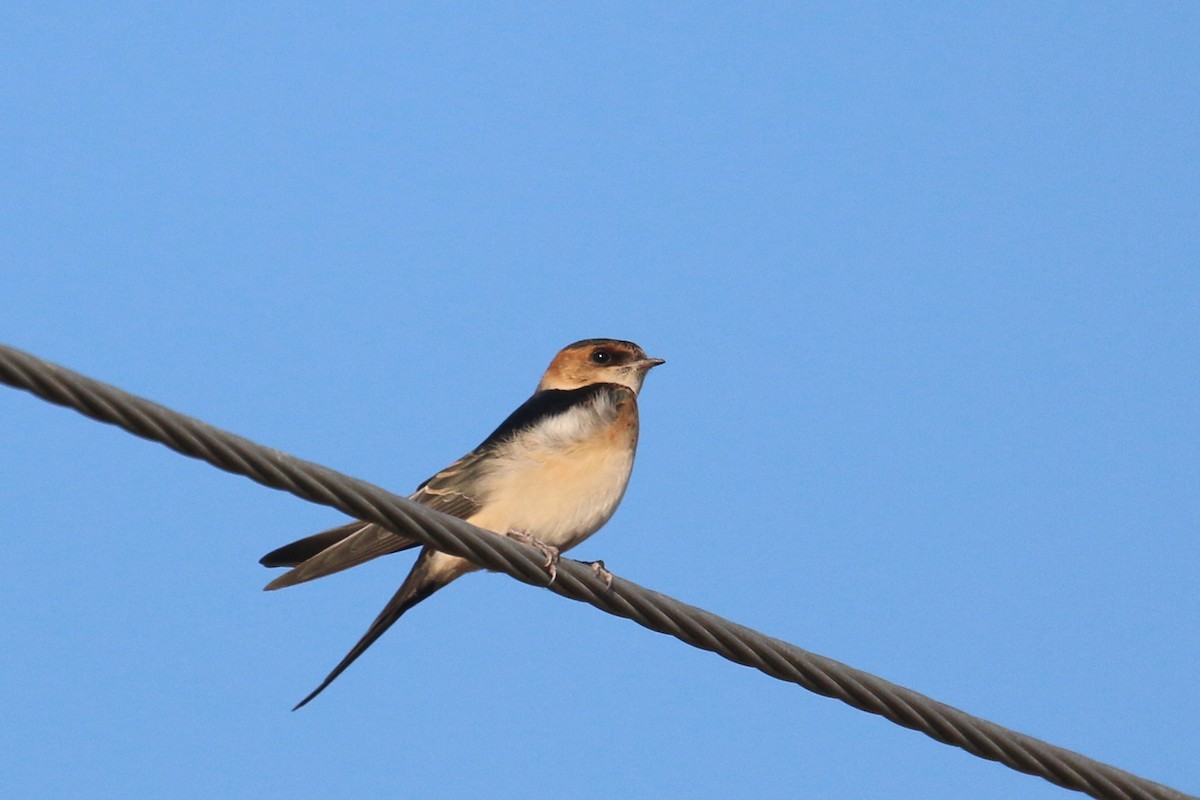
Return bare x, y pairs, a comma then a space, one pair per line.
927, 277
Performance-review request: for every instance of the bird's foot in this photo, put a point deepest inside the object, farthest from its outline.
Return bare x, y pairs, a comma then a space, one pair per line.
603, 574
551, 553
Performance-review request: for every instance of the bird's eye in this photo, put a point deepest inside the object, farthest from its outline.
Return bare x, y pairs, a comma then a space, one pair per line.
601, 357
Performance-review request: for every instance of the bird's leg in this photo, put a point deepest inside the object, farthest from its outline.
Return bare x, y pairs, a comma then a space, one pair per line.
603, 574
549, 551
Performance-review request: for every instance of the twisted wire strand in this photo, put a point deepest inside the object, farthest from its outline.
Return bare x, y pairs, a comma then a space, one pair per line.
576, 581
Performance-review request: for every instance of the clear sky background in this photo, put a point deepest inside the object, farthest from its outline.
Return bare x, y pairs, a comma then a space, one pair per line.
927, 277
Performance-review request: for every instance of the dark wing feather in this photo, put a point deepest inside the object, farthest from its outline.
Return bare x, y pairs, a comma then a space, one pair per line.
299, 551
451, 491
456, 489
366, 541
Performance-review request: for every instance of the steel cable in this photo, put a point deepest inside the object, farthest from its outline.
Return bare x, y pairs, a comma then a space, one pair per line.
577, 581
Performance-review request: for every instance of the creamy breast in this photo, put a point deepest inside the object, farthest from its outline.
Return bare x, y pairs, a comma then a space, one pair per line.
563, 479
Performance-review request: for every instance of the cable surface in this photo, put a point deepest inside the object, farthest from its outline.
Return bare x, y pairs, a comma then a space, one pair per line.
577, 581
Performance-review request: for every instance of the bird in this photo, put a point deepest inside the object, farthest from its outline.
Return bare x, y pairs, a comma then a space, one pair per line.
551, 475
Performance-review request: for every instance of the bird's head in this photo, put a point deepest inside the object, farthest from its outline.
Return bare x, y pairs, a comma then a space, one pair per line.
598, 361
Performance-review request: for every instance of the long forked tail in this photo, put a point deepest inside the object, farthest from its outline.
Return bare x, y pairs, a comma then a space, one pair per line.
421, 582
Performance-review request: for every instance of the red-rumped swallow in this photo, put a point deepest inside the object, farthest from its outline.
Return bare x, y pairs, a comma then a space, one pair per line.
551, 475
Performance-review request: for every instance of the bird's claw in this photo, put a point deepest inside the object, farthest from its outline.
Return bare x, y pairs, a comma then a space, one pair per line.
551, 552
603, 574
